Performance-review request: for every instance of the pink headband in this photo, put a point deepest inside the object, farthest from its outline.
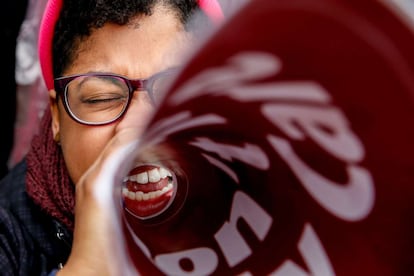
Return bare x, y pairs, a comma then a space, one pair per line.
51, 14
47, 25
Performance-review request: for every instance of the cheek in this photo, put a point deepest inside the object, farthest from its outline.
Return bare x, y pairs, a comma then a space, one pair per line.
81, 145
138, 114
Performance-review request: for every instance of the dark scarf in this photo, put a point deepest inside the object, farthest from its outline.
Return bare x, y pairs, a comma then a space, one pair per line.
47, 180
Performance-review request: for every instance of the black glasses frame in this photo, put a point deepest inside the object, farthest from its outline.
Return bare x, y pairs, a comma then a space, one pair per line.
61, 85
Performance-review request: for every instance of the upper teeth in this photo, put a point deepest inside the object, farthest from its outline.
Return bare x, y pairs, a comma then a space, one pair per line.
153, 175
146, 196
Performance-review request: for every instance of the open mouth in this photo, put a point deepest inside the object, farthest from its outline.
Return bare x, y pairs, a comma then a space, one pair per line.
148, 190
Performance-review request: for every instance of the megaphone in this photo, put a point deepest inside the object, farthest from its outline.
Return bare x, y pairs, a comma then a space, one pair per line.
284, 147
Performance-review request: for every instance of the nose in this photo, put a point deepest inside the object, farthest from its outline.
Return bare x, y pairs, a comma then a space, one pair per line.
139, 112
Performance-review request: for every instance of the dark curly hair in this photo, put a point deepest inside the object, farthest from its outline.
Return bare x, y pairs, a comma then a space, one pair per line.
79, 17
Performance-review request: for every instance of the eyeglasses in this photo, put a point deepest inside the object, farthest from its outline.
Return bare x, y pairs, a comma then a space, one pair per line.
99, 99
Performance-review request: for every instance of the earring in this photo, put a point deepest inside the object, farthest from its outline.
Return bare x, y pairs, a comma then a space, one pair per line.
57, 138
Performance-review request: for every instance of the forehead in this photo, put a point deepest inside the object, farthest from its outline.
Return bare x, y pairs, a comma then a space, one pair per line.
145, 45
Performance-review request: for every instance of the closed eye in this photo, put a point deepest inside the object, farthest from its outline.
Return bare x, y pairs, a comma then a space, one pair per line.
104, 98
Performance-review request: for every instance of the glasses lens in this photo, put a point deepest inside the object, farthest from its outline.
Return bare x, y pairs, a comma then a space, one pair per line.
161, 85
97, 99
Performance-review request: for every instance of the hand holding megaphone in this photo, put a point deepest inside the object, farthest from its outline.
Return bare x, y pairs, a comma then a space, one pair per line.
99, 244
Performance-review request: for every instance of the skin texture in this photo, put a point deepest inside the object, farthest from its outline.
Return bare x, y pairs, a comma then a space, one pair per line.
139, 50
